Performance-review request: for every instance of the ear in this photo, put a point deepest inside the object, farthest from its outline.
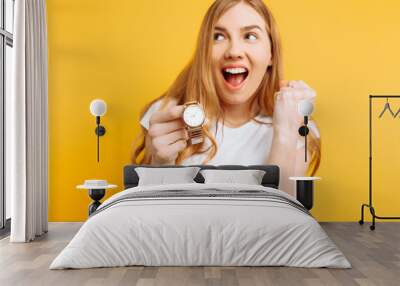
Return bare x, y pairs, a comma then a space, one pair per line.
270, 61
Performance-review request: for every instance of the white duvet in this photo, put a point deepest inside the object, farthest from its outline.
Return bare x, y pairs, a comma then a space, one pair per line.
183, 231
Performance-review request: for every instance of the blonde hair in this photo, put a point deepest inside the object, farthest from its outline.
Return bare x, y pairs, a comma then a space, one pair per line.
196, 82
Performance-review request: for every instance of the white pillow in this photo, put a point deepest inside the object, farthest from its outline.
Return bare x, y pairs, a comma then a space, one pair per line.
249, 177
162, 176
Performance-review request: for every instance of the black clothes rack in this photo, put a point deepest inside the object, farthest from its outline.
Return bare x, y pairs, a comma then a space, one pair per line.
370, 206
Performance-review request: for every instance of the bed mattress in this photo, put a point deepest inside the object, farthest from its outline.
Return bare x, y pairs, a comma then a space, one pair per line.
201, 225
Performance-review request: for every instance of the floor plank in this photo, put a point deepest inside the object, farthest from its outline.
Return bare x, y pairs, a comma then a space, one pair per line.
374, 255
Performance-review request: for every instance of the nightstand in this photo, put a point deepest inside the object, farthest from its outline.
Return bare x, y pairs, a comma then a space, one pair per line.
97, 190
305, 190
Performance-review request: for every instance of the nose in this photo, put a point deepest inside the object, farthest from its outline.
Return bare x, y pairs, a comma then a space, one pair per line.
234, 50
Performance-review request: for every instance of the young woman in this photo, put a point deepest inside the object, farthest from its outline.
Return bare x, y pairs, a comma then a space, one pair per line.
251, 112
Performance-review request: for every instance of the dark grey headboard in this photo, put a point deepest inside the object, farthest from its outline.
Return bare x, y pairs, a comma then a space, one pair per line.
270, 179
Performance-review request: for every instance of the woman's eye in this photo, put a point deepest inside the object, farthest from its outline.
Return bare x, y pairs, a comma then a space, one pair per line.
218, 37
251, 37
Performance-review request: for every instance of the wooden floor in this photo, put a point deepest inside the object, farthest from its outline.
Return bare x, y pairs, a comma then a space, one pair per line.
375, 257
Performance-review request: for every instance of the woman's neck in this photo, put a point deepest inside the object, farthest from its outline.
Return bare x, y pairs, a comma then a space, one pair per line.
235, 115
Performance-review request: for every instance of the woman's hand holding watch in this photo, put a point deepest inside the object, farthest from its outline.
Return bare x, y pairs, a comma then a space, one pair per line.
171, 128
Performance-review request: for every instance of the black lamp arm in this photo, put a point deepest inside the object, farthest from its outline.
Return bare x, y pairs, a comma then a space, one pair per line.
100, 131
303, 131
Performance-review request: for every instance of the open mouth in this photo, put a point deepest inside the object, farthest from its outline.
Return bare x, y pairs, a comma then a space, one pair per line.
235, 77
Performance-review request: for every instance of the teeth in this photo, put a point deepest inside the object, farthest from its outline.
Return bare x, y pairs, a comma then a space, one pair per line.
235, 70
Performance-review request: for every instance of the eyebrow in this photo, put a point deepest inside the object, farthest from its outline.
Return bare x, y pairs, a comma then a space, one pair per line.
246, 28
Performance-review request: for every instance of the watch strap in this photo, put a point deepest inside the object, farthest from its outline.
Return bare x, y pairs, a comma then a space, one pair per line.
195, 135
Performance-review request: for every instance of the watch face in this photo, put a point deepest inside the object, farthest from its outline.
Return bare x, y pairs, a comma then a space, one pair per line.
194, 115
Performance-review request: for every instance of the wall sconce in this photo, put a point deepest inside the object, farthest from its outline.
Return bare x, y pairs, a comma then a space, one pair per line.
98, 108
305, 108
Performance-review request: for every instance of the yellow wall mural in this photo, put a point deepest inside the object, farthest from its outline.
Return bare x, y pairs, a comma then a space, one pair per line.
129, 52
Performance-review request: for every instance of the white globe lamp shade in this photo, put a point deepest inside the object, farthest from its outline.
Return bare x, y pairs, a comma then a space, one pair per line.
305, 107
98, 107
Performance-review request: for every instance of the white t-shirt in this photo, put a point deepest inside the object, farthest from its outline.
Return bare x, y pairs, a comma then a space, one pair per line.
249, 144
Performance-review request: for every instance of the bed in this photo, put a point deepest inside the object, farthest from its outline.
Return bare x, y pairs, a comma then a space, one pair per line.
201, 224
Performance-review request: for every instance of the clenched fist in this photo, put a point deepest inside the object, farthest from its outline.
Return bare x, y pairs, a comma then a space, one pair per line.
286, 117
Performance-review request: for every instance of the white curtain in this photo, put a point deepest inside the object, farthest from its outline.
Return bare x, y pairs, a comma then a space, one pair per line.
26, 129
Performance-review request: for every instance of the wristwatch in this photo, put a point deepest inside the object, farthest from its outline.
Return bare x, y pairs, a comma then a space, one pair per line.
194, 117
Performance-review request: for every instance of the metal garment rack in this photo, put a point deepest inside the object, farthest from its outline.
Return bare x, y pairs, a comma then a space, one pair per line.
370, 206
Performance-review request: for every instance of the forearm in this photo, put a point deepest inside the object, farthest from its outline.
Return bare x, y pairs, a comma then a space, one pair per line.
149, 154
283, 154
155, 161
